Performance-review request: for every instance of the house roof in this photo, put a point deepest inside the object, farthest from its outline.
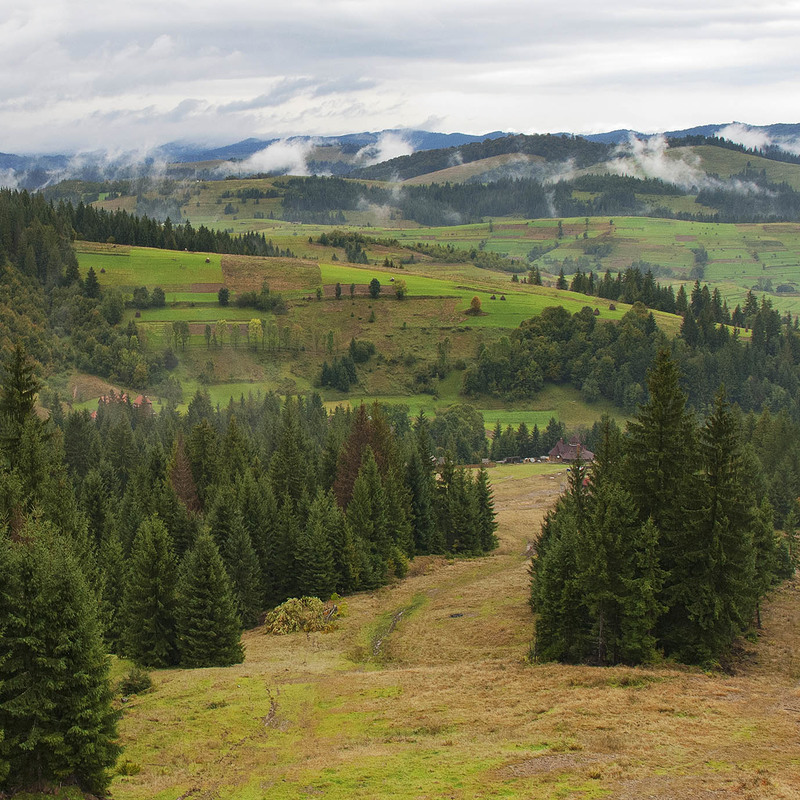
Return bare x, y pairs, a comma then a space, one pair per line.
571, 452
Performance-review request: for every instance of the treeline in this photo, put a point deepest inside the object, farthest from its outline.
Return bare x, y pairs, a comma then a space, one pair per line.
771, 151
548, 146
524, 443
747, 197
602, 359
636, 284
666, 549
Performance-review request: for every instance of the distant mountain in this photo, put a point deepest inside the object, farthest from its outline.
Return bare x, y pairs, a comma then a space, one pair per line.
349, 154
778, 131
183, 153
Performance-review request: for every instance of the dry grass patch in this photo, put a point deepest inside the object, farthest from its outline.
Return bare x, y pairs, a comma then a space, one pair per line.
247, 273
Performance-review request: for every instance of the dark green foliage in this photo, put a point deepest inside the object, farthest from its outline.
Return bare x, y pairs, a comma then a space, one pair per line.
485, 521
421, 486
207, 622
137, 681
665, 548
19, 390
91, 286
55, 702
367, 518
149, 600
244, 571
374, 288
316, 576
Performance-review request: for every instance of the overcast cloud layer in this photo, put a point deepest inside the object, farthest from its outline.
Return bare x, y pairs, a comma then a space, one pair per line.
84, 74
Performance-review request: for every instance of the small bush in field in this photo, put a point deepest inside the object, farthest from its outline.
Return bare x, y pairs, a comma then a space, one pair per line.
307, 614
136, 681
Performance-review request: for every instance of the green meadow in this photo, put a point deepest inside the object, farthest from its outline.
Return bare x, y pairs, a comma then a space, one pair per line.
129, 267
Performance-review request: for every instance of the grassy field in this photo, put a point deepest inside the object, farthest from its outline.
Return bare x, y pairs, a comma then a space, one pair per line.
423, 691
406, 333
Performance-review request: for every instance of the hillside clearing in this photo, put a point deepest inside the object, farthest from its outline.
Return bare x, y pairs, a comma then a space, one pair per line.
448, 707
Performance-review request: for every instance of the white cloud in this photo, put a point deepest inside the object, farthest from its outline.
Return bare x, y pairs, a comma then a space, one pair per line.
745, 135
283, 156
87, 74
388, 146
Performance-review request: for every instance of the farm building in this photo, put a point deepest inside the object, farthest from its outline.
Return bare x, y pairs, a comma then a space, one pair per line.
567, 453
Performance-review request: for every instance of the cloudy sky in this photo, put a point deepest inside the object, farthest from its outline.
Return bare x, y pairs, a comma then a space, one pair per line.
83, 74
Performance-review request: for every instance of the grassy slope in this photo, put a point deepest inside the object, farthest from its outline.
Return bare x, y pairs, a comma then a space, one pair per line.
445, 705
405, 333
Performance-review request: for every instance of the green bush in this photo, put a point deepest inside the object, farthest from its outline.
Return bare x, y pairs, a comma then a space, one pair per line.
307, 614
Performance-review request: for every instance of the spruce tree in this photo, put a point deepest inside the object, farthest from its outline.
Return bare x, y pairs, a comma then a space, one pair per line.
421, 486
711, 589
487, 524
316, 576
20, 386
243, 569
281, 579
563, 625
111, 569
55, 701
207, 624
366, 515
620, 578
149, 600
660, 467
347, 558
259, 514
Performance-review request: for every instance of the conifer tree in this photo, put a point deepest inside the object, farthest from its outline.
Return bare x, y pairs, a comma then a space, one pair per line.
316, 575
149, 600
281, 579
462, 511
347, 557
17, 399
55, 702
180, 476
206, 620
111, 568
242, 566
487, 524
366, 515
96, 505
421, 486
398, 508
259, 514
661, 459
288, 467
617, 560
711, 589
563, 626
203, 451
767, 555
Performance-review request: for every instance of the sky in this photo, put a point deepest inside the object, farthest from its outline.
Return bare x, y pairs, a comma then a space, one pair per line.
83, 75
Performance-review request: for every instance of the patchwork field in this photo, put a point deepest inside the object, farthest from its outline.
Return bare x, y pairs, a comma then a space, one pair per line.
288, 354
423, 690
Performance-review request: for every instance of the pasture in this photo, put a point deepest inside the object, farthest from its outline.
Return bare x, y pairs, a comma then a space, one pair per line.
424, 690
287, 357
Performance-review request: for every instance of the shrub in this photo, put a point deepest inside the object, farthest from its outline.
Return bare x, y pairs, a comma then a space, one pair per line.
307, 614
136, 681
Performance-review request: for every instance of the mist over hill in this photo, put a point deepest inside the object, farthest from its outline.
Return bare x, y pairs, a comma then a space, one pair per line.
383, 155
